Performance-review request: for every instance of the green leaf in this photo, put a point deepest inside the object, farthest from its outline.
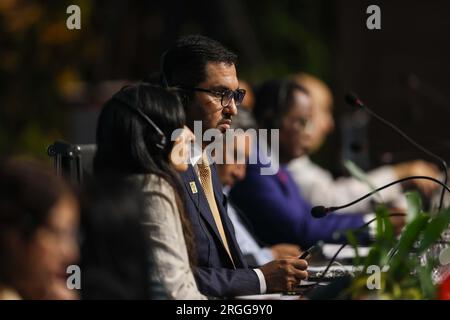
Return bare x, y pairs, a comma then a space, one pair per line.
414, 203
434, 229
409, 236
373, 258
387, 235
353, 241
358, 173
426, 283
380, 224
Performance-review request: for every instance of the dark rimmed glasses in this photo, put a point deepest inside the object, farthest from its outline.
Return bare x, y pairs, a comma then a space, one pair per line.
225, 95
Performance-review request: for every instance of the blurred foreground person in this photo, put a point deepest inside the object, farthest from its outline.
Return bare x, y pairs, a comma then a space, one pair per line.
38, 232
141, 135
318, 185
114, 251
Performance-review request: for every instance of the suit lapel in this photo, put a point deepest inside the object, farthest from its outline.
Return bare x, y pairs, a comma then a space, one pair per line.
201, 203
199, 199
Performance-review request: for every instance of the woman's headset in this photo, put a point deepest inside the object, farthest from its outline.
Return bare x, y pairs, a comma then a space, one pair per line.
135, 106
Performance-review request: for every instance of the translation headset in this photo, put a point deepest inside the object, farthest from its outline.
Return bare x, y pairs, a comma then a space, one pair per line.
135, 106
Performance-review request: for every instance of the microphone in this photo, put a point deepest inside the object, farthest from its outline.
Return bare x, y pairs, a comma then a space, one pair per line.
321, 211
352, 99
365, 225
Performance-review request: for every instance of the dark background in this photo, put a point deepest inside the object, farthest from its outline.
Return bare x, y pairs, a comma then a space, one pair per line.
53, 81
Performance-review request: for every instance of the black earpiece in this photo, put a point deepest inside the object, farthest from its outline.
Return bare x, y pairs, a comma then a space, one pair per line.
135, 106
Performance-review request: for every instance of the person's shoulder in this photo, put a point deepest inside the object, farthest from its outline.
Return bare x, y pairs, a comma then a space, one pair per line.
154, 183
301, 162
159, 193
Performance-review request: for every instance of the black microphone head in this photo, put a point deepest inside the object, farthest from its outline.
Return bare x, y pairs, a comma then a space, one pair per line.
319, 211
352, 99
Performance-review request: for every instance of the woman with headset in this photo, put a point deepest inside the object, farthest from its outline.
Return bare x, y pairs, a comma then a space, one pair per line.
141, 134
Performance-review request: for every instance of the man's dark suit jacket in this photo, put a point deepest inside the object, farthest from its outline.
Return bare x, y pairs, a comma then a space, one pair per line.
215, 273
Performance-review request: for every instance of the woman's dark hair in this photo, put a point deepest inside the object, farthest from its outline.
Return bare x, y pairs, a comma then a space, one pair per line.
28, 191
273, 99
114, 250
127, 144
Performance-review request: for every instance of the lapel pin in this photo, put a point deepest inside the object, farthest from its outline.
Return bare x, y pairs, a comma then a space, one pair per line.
193, 187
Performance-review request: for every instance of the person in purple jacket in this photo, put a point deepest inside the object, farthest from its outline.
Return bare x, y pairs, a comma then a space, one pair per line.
273, 203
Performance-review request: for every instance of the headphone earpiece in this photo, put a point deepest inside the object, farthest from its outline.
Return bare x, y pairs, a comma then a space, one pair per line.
134, 105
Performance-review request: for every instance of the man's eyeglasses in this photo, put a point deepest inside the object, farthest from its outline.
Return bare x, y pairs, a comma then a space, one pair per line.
225, 95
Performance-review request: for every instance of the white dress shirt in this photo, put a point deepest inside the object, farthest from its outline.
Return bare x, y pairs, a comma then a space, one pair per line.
246, 241
320, 188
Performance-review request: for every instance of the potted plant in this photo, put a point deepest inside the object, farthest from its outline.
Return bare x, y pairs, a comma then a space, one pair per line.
401, 268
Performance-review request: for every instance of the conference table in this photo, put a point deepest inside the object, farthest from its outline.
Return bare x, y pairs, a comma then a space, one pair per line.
317, 286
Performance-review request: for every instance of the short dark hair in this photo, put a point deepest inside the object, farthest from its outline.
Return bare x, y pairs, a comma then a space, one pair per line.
184, 63
273, 99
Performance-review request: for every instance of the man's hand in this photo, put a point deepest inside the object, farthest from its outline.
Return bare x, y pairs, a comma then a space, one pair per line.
285, 274
419, 168
285, 250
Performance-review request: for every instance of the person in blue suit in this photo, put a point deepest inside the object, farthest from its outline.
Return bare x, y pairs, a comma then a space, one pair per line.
204, 74
273, 202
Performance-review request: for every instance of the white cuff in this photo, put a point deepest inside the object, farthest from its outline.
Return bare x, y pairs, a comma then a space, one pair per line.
262, 281
373, 225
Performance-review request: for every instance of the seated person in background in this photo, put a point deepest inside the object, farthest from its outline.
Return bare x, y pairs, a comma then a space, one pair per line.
273, 203
318, 185
134, 139
114, 251
38, 232
255, 251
